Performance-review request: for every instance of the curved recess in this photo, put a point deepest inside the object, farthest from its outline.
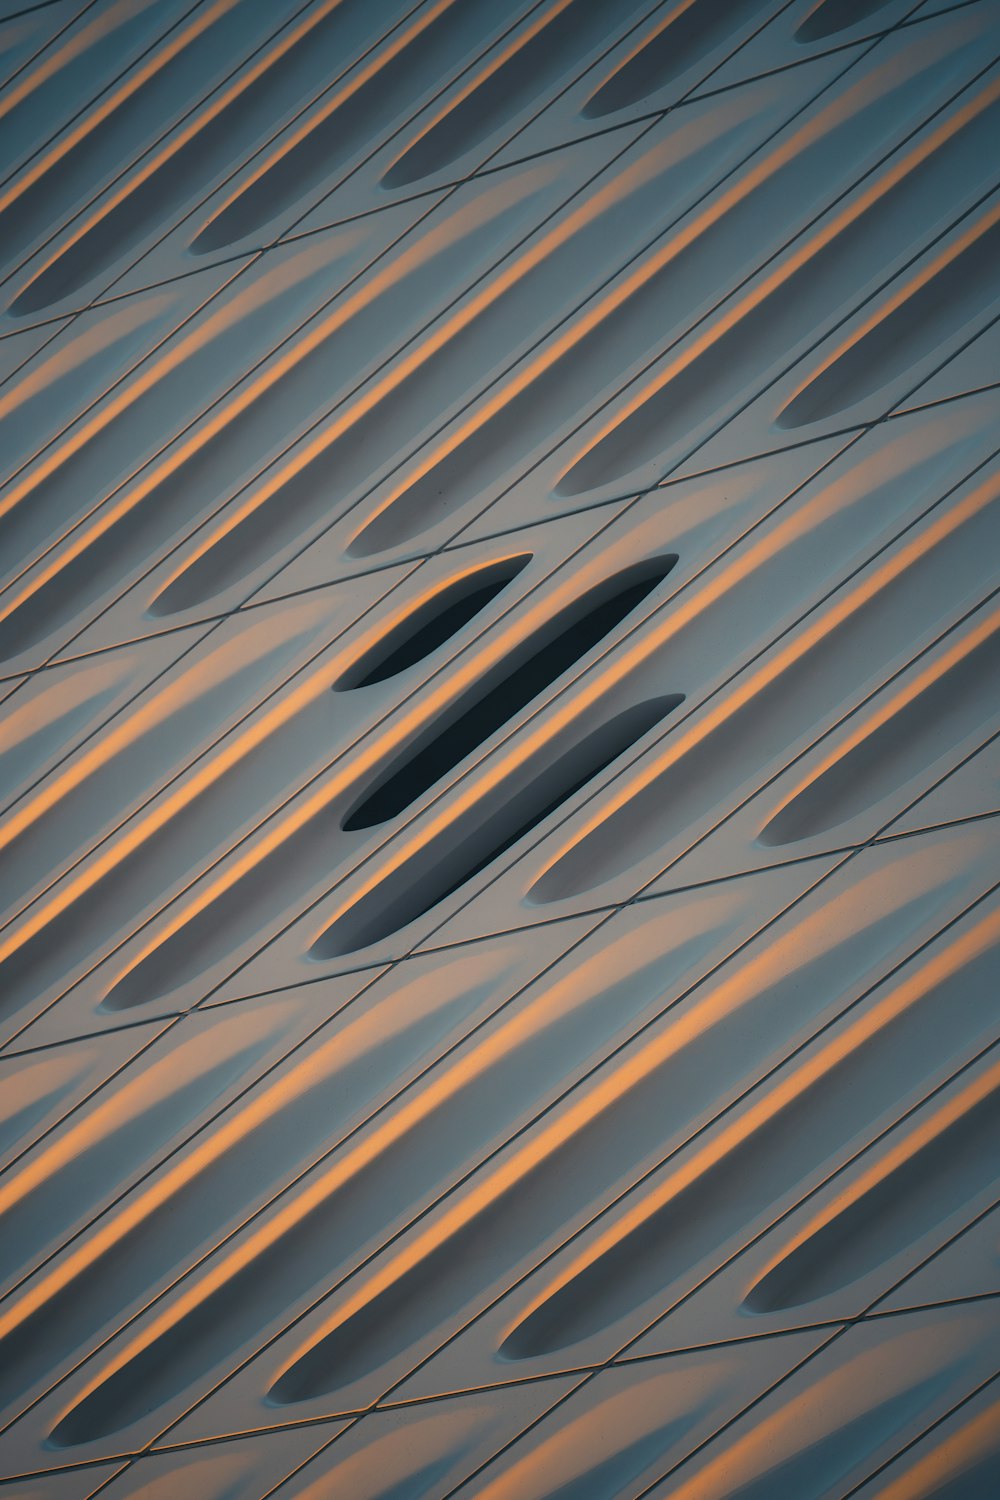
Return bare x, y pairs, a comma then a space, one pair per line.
544, 1048
830, 16
406, 1158
433, 622
655, 1088
164, 183
150, 1109
704, 1202
204, 933
273, 1131
822, 1435
187, 711
884, 615
680, 42
936, 718
361, 109
73, 168
960, 284
763, 322
567, 638
536, 60
394, 401
895, 1211
480, 840
580, 279
531, 403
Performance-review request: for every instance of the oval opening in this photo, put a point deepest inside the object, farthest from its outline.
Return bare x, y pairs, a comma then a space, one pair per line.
451, 863
432, 623
551, 652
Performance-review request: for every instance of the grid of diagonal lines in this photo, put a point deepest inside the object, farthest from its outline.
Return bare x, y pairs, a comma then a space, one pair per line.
499, 520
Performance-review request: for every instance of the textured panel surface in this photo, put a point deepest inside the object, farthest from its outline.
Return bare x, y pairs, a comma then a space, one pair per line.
499, 760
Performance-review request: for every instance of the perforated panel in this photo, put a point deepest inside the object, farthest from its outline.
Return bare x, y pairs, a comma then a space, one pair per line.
499, 520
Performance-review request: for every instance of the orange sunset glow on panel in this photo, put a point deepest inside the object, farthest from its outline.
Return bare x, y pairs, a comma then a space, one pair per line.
499, 760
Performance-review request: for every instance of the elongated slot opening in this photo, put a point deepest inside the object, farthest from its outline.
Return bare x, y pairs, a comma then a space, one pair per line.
431, 624
570, 636
475, 844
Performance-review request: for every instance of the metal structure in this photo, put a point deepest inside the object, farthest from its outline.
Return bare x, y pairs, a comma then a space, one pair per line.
499, 529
